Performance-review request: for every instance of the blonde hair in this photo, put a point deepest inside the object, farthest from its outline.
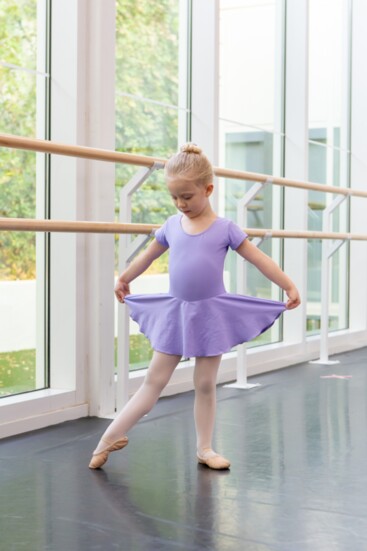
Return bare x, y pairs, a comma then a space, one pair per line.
190, 164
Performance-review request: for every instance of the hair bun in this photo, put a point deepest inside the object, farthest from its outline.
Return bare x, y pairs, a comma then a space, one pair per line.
190, 148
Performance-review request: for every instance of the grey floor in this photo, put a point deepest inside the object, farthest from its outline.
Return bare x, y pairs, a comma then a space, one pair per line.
298, 480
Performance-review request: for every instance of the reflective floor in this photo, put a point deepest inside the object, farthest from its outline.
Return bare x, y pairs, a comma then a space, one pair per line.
298, 481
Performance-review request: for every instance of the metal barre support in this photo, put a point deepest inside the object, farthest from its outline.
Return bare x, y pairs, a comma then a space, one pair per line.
242, 209
327, 252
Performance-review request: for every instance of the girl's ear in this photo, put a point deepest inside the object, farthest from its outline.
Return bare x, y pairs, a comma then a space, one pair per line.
209, 189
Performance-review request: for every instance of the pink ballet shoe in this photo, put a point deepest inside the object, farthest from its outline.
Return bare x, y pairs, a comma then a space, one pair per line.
100, 458
213, 460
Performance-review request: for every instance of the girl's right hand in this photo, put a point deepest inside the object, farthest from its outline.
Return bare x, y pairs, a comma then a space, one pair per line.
121, 290
293, 298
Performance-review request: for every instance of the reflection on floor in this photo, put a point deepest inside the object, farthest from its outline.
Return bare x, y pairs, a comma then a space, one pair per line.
298, 481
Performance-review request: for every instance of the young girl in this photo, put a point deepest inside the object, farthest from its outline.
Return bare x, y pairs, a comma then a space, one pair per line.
197, 318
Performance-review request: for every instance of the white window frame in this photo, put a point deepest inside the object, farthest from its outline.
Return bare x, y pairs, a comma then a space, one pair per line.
82, 267
81, 270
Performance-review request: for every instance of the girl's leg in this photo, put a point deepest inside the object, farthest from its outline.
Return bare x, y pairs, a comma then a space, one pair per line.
205, 379
159, 373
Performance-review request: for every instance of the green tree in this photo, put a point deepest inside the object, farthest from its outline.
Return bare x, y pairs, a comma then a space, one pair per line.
18, 43
147, 53
147, 67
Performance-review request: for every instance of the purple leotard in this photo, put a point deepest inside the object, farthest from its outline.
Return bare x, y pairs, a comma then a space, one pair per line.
197, 317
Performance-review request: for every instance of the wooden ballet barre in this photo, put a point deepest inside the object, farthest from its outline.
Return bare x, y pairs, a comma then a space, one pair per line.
66, 226
279, 181
45, 146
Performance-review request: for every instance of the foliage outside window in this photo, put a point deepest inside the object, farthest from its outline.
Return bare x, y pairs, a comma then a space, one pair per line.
19, 78
147, 115
18, 46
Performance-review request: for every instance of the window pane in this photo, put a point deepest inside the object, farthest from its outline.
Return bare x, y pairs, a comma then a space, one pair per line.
18, 102
18, 32
21, 261
147, 122
147, 51
328, 155
145, 128
247, 68
250, 133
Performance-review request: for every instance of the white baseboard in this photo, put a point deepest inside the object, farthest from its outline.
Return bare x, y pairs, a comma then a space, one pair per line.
43, 420
259, 360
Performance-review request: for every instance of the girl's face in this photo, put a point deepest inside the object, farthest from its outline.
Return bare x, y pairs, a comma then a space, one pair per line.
188, 197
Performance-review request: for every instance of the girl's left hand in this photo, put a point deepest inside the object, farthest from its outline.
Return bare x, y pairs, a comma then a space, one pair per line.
294, 298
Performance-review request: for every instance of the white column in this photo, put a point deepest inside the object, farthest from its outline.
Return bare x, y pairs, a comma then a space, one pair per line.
82, 266
96, 198
205, 81
296, 160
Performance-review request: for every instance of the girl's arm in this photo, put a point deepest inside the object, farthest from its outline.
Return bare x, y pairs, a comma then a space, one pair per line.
271, 270
137, 267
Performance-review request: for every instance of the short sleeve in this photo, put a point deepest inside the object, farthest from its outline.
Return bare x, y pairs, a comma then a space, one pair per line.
161, 235
235, 235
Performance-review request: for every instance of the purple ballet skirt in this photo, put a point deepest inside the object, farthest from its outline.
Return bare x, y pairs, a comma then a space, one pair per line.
197, 317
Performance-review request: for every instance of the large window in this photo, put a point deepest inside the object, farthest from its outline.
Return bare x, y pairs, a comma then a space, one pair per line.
251, 125
23, 87
151, 114
328, 151
152, 84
